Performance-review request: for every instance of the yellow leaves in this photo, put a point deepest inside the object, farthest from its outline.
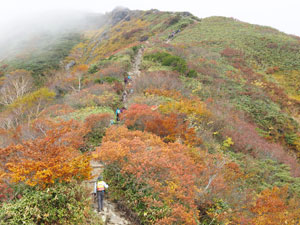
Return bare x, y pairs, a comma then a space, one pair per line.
167, 93
194, 108
2, 175
258, 83
92, 50
173, 187
227, 143
33, 99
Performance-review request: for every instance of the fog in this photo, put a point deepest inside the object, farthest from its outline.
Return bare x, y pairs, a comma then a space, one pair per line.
24, 19
36, 26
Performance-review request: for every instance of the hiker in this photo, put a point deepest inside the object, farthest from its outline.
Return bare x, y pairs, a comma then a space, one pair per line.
124, 95
123, 109
111, 122
129, 86
99, 189
125, 80
118, 112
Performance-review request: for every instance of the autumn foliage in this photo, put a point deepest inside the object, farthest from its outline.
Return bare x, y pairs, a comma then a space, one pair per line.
51, 158
177, 174
172, 127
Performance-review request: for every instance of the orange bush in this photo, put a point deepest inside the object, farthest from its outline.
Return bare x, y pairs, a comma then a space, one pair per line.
165, 167
271, 208
170, 128
179, 175
45, 160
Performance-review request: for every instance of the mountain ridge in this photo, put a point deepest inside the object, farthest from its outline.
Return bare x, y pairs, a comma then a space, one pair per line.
209, 131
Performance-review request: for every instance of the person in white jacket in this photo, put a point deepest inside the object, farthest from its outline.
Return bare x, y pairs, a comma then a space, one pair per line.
99, 188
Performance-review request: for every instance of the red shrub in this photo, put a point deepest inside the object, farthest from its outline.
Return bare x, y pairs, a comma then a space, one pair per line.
272, 70
170, 128
6, 193
246, 139
118, 87
131, 33
115, 70
230, 53
158, 80
138, 115
272, 45
98, 120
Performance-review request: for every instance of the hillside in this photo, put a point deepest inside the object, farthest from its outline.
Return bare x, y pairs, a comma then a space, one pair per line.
209, 133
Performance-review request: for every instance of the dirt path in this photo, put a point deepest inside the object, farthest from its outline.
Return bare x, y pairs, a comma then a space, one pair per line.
133, 73
135, 70
111, 215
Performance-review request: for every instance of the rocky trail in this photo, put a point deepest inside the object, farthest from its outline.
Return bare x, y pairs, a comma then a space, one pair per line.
111, 215
133, 73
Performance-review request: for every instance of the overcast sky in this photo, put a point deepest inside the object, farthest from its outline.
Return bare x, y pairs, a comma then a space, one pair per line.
280, 14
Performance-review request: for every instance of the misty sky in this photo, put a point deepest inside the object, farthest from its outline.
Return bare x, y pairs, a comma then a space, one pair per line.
280, 14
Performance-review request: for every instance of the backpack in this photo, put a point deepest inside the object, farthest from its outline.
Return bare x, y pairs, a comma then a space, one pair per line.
100, 186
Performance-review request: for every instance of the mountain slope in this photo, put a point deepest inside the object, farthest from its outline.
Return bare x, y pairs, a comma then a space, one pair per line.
210, 133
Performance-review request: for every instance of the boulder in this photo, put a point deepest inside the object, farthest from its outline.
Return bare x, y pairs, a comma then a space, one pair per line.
119, 14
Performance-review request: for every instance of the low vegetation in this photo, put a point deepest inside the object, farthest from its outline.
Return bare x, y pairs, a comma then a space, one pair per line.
209, 132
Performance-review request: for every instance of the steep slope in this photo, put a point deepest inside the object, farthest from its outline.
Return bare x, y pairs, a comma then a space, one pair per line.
209, 134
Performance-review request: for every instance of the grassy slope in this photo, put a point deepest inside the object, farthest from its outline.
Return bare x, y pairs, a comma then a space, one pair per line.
255, 41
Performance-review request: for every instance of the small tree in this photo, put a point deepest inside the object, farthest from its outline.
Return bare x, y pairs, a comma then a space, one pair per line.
79, 72
16, 85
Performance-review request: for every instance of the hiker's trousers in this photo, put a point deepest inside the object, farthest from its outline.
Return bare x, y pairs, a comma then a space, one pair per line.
100, 197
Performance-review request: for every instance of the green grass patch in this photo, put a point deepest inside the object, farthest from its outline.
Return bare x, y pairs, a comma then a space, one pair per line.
83, 113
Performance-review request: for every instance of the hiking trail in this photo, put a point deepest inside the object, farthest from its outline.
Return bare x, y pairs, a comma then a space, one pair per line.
133, 73
111, 215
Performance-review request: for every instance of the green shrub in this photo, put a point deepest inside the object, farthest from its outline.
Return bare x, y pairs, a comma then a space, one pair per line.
192, 74
109, 80
166, 59
184, 25
136, 48
174, 20
83, 113
60, 204
125, 189
93, 69
290, 138
268, 116
266, 173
